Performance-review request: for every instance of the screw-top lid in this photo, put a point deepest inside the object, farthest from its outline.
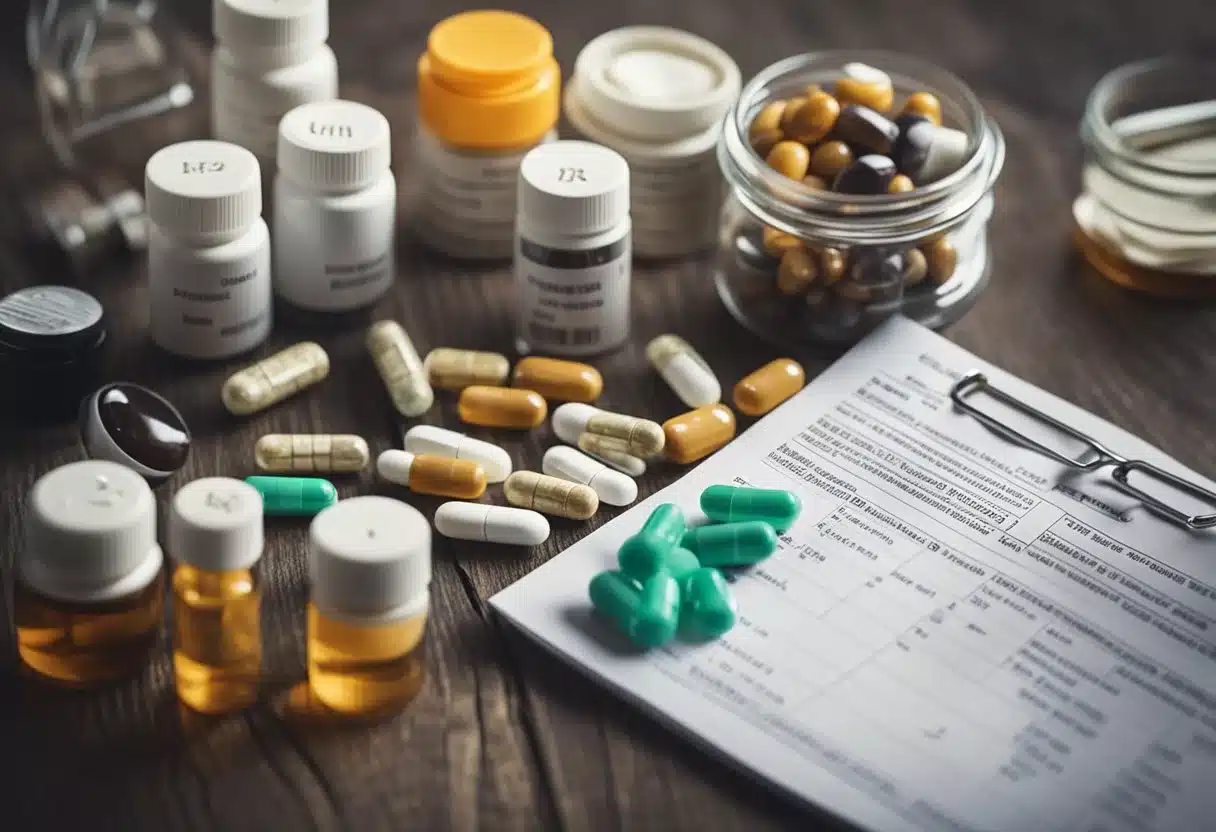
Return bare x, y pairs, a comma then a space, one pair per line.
216, 524
334, 144
369, 558
90, 533
203, 189
280, 30
571, 187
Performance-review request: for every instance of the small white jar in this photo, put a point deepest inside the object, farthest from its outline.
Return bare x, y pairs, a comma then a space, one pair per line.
657, 96
572, 250
335, 207
208, 250
270, 58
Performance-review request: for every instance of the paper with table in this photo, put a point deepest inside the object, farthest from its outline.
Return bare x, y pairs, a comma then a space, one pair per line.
953, 635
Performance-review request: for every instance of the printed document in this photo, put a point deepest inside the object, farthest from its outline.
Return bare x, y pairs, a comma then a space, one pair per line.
957, 634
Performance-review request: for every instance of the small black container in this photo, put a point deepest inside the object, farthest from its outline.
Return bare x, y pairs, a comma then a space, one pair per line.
51, 345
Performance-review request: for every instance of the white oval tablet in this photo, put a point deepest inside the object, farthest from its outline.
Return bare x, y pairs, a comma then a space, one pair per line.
491, 524
571, 419
612, 487
427, 439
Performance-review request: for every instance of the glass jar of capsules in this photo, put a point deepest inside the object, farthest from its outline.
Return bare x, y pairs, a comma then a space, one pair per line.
1146, 216
860, 187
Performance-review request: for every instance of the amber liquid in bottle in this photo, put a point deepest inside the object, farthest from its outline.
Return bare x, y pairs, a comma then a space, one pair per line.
217, 638
365, 669
83, 644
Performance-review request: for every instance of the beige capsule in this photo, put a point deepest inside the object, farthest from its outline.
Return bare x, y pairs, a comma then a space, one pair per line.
281, 453
400, 368
608, 450
273, 379
453, 369
636, 437
550, 495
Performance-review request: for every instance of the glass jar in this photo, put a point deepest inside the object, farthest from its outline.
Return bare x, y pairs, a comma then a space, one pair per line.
864, 240
1146, 216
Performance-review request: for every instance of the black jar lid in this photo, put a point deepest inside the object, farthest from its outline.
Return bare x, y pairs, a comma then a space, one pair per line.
42, 321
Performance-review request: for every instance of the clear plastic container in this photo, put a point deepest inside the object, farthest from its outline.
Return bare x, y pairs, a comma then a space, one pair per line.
870, 236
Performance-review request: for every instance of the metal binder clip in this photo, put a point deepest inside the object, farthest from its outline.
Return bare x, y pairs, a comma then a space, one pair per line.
1094, 456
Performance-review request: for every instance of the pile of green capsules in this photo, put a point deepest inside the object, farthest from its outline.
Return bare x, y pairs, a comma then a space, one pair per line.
670, 577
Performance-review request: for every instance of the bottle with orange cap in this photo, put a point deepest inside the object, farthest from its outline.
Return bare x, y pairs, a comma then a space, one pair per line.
488, 92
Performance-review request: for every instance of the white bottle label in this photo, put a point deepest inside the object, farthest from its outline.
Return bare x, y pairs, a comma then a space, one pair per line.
573, 302
675, 204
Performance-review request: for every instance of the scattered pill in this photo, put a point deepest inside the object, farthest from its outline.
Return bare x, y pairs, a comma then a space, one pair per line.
135, 427
452, 369
790, 159
550, 495
570, 421
865, 85
294, 496
648, 616
637, 437
830, 158
680, 563
871, 174
426, 439
400, 368
606, 450
867, 130
698, 433
558, 380
501, 407
924, 104
762, 390
442, 476
684, 370
281, 453
612, 487
491, 524
731, 544
734, 504
273, 379
643, 554
708, 610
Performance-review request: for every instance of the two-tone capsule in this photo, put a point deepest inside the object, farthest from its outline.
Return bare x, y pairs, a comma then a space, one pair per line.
643, 554
648, 613
684, 370
605, 449
698, 433
762, 390
633, 436
427, 439
549, 495
451, 369
731, 544
613, 487
273, 379
281, 453
442, 476
732, 504
400, 368
294, 496
501, 407
558, 380
491, 524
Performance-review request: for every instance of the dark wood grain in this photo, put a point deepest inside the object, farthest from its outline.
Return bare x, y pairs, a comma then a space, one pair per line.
503, 736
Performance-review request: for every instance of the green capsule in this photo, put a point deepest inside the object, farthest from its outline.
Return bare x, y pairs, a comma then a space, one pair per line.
731, 544
294, 496
709, 607
732, 504
642, 555
680, 562
647, 613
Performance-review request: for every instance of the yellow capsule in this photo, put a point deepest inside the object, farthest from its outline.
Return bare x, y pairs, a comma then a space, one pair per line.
457, 369
698, 433
636, 437
281, 453
549, 495
275, 378
502, 407
400, 368
561, 381
443, 476
760, 391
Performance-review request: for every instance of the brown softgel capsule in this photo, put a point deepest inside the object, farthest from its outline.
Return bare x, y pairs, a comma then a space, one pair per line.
833, 264
900, 184
942, 258
812, 119
916, 267
778, 242
797, 271
789, 159
924, 104
830, 158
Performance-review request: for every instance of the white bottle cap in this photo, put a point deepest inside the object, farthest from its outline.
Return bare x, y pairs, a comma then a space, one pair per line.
216, 524
90, 533
569, 187
340, 145
203, 190
369, 559
285, 31
655, 84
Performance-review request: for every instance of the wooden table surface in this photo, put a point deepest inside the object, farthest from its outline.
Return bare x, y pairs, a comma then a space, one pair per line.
503, 736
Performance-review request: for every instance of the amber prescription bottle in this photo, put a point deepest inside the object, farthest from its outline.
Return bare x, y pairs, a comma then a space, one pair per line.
88, 595
369, 563
215, 535
488, 92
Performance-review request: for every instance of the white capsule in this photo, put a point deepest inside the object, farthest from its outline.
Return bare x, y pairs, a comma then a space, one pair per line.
426, 439
613, 487
684, 370
491, 524
946, 154
570, 420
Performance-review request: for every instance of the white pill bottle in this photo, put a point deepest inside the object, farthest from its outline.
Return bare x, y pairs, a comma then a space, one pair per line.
657, 96
335, 207
270, 57
572, 250
208, 250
